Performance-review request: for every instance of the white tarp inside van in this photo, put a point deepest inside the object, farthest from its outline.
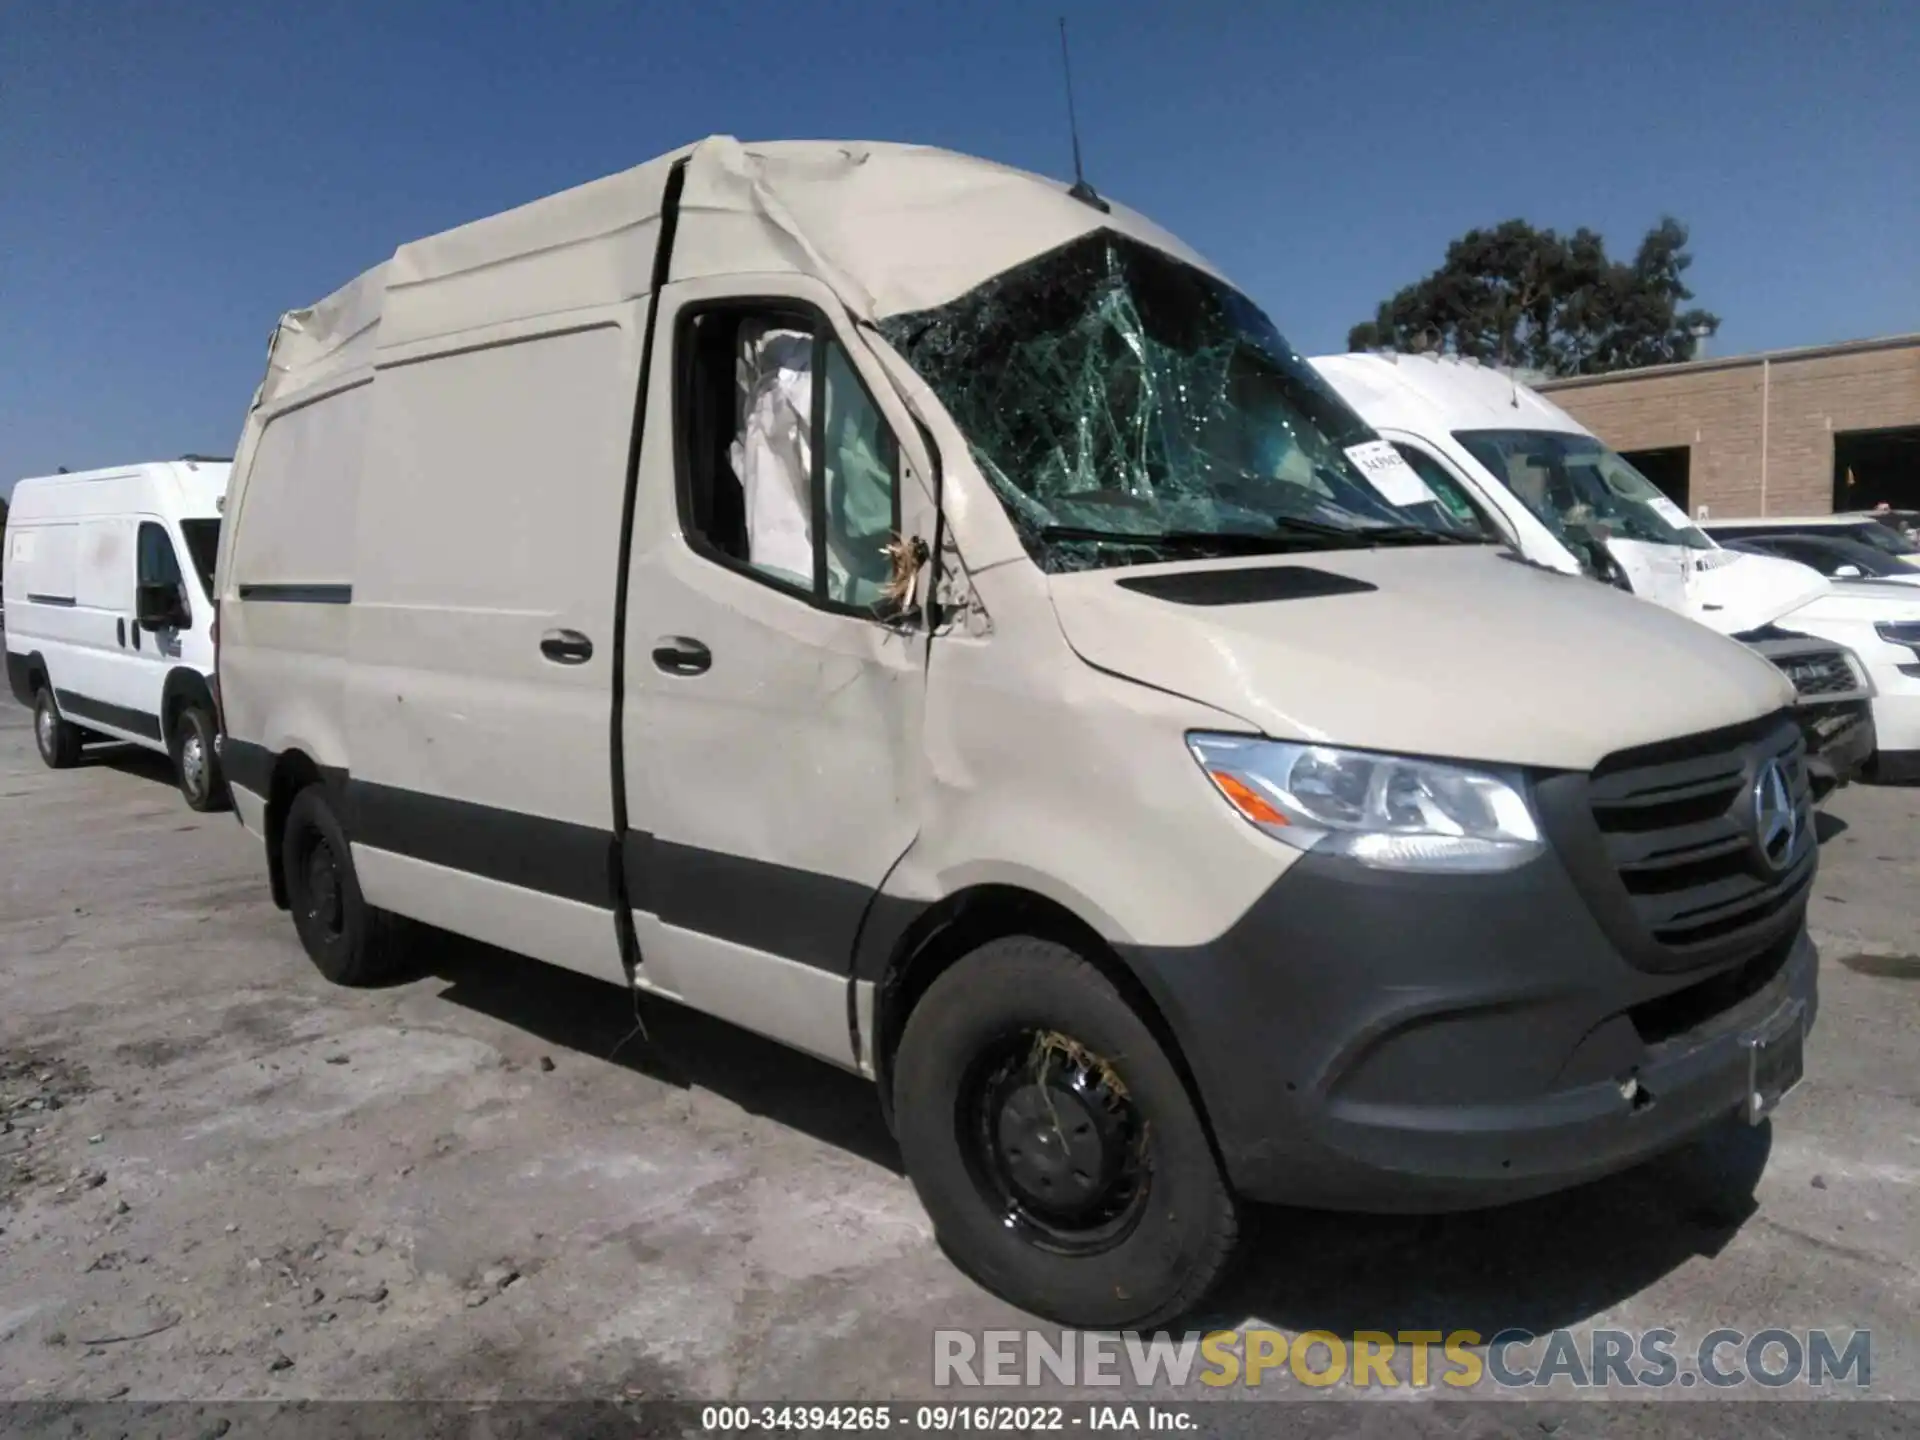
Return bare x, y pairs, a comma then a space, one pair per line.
773, 455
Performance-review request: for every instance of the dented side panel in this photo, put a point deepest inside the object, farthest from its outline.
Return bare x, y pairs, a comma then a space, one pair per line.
1051, 776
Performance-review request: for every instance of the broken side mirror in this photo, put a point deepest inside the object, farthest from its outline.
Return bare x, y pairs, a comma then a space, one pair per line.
901, 602
160, 607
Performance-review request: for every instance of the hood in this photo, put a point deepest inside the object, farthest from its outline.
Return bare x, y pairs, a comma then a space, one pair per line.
1734, 591
1866, 600
1730, 590
1456, 652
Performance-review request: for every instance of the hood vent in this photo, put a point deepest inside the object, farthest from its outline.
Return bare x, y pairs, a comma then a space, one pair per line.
1244, 585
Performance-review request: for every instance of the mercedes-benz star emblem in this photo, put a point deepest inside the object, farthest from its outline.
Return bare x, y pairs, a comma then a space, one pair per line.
1776, 821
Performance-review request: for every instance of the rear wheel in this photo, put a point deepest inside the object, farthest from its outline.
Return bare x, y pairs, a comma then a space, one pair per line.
195, 766
349, 941
59, 741
1054, 1143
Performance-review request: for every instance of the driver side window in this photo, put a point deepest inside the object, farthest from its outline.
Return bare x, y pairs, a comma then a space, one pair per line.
789, 471
157, 564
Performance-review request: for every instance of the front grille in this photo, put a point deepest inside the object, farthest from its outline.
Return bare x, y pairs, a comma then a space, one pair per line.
1820, 673
1680, 826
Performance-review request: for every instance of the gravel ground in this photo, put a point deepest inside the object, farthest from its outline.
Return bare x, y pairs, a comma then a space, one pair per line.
221, 1178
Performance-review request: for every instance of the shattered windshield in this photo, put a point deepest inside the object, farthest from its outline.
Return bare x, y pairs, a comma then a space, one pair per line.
1123, 403
1580, 489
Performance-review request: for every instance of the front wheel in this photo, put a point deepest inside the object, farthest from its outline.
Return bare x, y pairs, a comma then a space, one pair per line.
59, 741
1055, 1145
195, 765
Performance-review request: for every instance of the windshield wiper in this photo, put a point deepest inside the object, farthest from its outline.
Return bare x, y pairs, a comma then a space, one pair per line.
1231, 540
1290, 533
1416, 535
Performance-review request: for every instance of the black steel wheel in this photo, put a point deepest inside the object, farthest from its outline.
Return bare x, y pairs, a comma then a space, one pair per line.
349, 941
1054, 1142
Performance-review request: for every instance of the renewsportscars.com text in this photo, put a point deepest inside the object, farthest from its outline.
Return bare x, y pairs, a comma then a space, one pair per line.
1377, 1359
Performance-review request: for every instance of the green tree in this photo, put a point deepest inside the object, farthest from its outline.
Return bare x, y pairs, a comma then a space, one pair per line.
1516, 295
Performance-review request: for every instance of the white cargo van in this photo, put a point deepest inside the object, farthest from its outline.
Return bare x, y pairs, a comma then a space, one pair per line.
881, 599
109, 606
1514, 464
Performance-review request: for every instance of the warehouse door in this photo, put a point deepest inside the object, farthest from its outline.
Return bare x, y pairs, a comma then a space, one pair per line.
1877, 467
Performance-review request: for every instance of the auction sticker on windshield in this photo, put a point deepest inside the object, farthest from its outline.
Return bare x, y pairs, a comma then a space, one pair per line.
1397, 481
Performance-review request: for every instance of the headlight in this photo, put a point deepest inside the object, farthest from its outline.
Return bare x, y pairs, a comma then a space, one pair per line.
1900, 632
1382, 810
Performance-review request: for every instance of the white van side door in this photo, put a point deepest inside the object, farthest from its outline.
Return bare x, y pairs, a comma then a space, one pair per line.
157, 564
46, 616
774, 695
103, 686
479, 686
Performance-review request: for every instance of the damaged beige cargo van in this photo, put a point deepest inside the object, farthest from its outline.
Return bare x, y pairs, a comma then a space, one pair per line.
933, 620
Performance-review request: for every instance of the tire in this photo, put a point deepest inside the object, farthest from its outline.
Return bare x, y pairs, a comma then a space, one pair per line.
59, 741
979, 1144
196, 769
349, 941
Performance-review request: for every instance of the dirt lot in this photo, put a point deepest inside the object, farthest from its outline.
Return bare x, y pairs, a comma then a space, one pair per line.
222, 1178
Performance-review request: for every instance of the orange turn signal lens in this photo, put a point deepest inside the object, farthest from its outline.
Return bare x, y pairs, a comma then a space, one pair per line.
1248, 801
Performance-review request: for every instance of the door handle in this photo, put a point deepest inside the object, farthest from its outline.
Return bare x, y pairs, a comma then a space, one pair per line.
120, 630
566, 647
681, 655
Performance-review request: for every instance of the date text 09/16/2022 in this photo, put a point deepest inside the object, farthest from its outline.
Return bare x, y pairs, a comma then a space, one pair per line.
939, 1419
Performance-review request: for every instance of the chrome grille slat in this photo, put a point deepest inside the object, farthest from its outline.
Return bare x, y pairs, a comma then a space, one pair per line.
1667, 794
1825, 673
1670, 850
1649, 785
1714, 901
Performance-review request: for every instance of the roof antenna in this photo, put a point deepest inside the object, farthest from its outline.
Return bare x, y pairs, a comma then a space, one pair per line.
1081, 191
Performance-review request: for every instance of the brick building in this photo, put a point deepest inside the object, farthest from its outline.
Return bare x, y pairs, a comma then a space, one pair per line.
1788, 432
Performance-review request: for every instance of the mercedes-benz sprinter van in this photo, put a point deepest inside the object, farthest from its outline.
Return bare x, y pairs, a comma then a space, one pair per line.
1515, 465
109, 606
932, 619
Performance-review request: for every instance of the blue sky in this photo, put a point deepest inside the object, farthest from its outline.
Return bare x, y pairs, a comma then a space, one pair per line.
174, 176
